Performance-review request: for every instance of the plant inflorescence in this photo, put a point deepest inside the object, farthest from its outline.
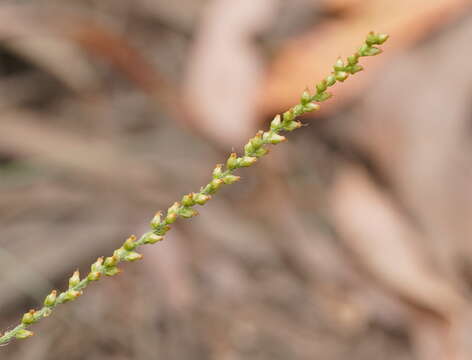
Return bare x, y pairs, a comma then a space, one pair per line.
222, 175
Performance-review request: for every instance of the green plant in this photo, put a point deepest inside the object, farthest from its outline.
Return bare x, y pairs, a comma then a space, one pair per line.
222, 175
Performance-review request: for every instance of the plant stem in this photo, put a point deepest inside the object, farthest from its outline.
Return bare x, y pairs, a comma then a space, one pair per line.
222, 175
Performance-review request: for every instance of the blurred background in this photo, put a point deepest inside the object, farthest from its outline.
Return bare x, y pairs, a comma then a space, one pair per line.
351, 240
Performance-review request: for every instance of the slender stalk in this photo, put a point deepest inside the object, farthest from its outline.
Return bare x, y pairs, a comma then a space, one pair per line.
222, 175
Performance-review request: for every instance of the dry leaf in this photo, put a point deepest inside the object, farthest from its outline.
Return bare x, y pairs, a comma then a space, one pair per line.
387, 246
225, 69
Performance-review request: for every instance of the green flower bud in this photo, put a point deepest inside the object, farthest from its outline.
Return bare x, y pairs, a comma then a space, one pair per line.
276, 138
133, 256
371, 39
248, 149
119, 253
188, 200
372, 51
230, 179
50, 300
355, 69
312, 106
292, 125
47, 312
298, 109
71, 295
288, 115
275, 123
322, 86
97, 265
323, 96
257, 141
330, 80
111, 271
171, 218
305, 98
187, 212
94, 276
163, 231
247, 161
266, 136
341, 75
174, 208
216, 184
339, 65
201, 199
218, 171
28, 318
353, 59
261, 152
74, 280
23, 334
381, 38
111, 261
232, 162
152, 238
156, 220
363, 49
172, 213
130, 243
375, 39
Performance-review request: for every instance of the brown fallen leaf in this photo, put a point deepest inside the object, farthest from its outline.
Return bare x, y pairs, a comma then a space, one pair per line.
225, 69
386, 245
